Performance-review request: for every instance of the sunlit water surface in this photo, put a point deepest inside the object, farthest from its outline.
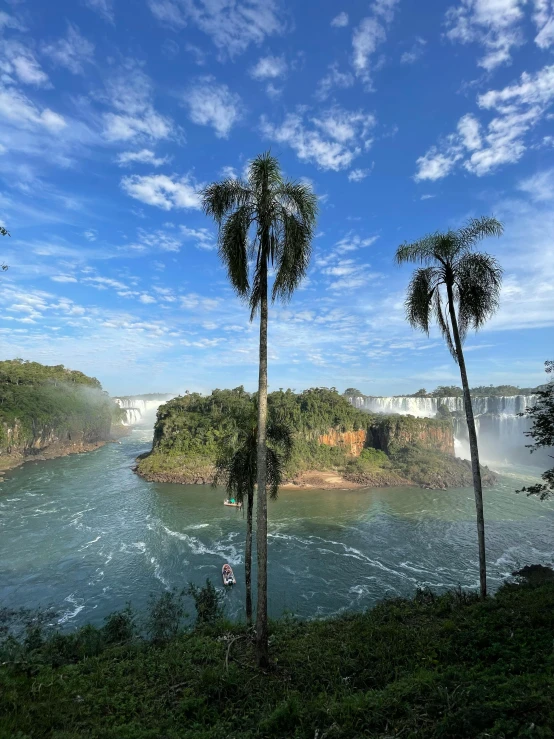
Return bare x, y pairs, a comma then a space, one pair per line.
86, 535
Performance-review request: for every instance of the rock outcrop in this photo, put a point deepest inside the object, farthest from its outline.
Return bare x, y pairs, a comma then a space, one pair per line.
389, 433
351, 441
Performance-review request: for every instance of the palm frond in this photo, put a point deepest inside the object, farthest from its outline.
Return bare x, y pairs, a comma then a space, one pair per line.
275, 472
299, 199
419, 297
421, 251
478, 229
293, 256
478, 284
233, 248
443, 323
221, 197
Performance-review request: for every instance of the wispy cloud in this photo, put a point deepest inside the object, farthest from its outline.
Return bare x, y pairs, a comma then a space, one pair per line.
232, 26
482, 148
162, 191
368, 36
213, 104
103, 7
144, 156
332, 139
340, 20
72, 52
415, 53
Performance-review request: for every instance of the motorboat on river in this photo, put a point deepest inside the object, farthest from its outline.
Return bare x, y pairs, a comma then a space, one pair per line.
232, 502
228, 575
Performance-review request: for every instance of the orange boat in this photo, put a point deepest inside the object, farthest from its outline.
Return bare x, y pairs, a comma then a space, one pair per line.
228, 575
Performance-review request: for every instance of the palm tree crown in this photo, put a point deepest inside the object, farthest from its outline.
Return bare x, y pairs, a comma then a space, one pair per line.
472, 280
236, 464
277, 216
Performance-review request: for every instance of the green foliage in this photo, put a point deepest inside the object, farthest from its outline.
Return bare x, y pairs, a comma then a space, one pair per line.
432, 667
374, 457
166, 615
208, 601
191, 430
443, 412
542, 433
36, 398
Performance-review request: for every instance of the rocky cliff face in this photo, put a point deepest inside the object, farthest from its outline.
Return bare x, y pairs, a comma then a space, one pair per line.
351, 441
393, 432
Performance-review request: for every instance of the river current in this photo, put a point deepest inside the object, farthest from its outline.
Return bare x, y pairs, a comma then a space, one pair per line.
85, 535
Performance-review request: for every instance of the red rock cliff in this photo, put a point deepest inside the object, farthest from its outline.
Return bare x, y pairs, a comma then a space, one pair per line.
352, 441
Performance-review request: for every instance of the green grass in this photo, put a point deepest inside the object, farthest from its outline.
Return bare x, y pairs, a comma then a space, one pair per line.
448, 666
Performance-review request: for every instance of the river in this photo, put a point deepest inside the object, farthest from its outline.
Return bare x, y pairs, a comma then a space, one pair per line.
85, 535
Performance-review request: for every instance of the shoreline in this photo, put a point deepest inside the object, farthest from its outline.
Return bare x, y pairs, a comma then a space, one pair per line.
9, 462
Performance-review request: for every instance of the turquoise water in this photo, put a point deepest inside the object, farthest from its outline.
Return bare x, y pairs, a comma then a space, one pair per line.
86, 535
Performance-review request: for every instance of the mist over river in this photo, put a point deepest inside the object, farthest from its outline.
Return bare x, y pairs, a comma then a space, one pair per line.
86, 535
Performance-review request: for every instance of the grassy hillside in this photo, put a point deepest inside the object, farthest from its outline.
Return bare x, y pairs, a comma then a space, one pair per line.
448, 666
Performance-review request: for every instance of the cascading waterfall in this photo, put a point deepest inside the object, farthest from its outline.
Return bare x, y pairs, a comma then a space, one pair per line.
137, 409
500, 430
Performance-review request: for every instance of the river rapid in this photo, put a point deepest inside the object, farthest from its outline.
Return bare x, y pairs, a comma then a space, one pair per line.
85, 535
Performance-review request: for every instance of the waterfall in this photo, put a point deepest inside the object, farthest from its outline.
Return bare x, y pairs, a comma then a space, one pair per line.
500, 431
138, 409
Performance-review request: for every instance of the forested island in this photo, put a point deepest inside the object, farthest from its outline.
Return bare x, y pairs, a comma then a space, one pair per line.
334, 444
51, 411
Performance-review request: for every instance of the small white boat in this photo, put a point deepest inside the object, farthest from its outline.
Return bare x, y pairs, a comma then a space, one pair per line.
228, 575
232, 503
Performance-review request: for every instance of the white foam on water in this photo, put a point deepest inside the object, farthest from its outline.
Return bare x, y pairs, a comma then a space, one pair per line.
158, 572
79, 604
220, 548
88, 544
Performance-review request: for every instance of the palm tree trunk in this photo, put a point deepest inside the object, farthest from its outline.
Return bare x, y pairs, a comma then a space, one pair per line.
248, 557
474, 449
261, 517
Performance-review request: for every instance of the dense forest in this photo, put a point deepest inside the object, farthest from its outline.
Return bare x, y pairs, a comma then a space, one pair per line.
398, 450
38, 400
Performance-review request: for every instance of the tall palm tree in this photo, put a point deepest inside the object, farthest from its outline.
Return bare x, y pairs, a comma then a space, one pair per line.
272, 221
458, 288
237, 467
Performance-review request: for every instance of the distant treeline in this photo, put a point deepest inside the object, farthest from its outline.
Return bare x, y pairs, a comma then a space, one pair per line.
453, 391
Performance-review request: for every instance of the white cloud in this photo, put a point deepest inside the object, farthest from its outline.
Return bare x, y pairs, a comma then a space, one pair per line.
232, 25
332, 140
130, 93
147, 299
8, 21
144, 156
518, 109
269, 68
20, 61
213, 104
495, 24
539, 186
415, 53
357, 175
162, 191
349, 275
340, 20
202, 236
544, 19
71, 52
16, 108
102, 7
90, 235
102, 283
369, 35
63, 278
333, 78
160, 240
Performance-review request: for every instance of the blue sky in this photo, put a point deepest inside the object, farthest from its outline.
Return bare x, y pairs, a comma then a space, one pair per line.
405, 116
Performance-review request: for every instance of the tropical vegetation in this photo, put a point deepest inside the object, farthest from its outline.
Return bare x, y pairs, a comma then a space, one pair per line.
430, 667
541, 415
36, 399
459, 289
272, 221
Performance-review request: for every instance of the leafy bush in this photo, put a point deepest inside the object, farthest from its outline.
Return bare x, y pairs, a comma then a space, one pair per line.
208, 601
166, 615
